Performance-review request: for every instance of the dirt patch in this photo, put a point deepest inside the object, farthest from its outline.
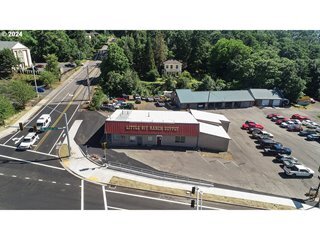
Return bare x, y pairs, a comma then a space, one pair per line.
208, 197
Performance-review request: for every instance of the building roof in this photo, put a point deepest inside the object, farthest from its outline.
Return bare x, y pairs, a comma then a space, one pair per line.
265, 94
213, 130
172, 61
208, 116
7, 44
188, 96
152, 116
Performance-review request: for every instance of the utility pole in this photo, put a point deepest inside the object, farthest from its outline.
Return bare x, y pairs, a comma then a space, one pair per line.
67, 133
198, 203
88, 83
208, 99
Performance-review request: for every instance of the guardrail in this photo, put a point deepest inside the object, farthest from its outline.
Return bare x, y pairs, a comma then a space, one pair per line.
158, 174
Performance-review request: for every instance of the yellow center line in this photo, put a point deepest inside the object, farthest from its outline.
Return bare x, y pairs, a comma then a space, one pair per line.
60, 116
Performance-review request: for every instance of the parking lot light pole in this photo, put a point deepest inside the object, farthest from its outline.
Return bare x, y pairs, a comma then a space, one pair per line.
35, 81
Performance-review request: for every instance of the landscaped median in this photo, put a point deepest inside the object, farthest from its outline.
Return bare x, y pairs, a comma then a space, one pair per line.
123, 182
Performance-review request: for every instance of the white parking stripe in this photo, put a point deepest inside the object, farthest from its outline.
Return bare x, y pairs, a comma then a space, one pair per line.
35, 163
116, 208
82, 195
158, 199
104, 198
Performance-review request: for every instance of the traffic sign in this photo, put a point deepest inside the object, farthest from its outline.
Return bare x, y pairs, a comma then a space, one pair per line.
50, 128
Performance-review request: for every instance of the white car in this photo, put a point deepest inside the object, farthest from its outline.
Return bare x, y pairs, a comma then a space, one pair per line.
43, 122
28, 141
265, 133
298, 171
305, 122
296, 121
286, 124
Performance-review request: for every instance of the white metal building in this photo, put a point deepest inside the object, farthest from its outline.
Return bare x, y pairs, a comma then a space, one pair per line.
211, 118
21, 52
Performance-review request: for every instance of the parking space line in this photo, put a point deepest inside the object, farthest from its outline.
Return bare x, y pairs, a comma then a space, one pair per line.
82, 194
116, 208
104, 198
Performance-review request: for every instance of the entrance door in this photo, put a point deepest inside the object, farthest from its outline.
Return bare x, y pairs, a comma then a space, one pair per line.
159, 140
139, 140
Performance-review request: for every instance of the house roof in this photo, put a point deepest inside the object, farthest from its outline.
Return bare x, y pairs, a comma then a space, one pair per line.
152, 116
172, 61
188, 96
213, 130
208, 116
7, 44
265, 94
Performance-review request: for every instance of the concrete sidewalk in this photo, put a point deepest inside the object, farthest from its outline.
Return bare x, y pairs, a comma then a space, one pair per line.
28, 115
79, 165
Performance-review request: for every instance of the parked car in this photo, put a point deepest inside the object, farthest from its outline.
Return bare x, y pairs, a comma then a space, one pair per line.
119, 99
312, 100
70, 65
143, 98
279, 121
149, 99
160, 104
271, 115
138, 101
28, 141
251, 124
156, 98
40, 89
277, 118
265, 143
298, 171
307, 132
313, 137
296, 121
262, 134
294, 128
252, 130
286, 124
290, 163
283, 157
312, 125
277, 149
299, 117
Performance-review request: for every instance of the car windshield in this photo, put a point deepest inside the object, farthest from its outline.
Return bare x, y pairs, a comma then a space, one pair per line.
27, 140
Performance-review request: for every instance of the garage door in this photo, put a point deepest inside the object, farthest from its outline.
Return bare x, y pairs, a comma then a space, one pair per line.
265, 102
276, 103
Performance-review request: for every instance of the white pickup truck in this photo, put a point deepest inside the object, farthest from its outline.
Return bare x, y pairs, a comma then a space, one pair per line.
43, 122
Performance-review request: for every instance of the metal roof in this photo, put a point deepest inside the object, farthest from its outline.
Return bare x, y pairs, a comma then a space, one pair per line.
188, 96
152, 116
7, 44
265, 94
208, 116
213, 130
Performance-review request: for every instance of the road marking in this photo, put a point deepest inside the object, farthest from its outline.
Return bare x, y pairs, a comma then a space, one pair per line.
13, 176
35, 163
58, 119
104, 198
67, 184
40, 180
116, 208
1, 174
159, 199
27, 178
17, 140
42, 153
53, 182
58, 104
82, 195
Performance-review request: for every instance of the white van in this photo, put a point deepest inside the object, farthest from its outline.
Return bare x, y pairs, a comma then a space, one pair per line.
43, 122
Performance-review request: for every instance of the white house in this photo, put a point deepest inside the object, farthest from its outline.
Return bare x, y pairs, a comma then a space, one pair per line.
172, 67
21, 52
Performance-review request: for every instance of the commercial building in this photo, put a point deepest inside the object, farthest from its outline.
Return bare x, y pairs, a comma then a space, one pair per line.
21, 52
267, 97
187, 99
211, 118
163, 128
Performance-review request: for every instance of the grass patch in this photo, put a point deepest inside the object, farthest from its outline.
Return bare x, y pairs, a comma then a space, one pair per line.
222, 155
208, 197
63, 151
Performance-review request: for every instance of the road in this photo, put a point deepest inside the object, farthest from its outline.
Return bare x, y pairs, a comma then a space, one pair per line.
34, 179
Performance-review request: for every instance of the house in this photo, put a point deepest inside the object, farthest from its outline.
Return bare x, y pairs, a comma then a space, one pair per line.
21, 52
267, 97
172, 67
187, 99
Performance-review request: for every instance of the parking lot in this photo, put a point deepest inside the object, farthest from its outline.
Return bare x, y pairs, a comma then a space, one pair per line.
245, 166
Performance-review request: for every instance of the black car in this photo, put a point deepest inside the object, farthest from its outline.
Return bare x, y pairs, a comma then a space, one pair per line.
307, 132
160, 104
252, 130
267, 142
71, 65
277, 149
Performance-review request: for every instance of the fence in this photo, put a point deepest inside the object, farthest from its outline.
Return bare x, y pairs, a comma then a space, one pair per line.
28, 71
158, 174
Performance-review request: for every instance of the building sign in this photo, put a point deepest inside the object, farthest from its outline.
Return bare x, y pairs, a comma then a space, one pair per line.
151, 128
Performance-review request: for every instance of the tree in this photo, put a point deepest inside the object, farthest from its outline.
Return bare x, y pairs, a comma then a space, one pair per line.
48, 78
52, 64
6, 109
116, 61
169, 83
313, 85
97, 99
7, 62
149, 56
207, 84
184, 80
21, 92
160, 50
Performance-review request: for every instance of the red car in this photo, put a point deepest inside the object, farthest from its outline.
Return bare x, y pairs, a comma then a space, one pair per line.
278, 122
299, 117
271, 115
121, 99
251, 124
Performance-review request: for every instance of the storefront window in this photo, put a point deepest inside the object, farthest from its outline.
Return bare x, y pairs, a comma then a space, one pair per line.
132, 138
150, 138
180, 139
116, 137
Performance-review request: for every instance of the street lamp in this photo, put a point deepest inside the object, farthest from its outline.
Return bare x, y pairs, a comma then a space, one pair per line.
35, 81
